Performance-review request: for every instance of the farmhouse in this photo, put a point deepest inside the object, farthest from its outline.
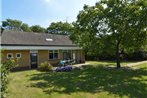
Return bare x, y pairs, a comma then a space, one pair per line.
31, 49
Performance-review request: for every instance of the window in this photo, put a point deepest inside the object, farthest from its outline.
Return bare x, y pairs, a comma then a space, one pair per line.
9, 55
56, 54
53, 54
67, 54
49, 39
18, 55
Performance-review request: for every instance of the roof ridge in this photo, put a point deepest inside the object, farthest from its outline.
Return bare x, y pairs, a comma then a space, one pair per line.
33, 32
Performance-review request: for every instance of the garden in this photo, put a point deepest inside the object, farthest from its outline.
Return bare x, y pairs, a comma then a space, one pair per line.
93, 81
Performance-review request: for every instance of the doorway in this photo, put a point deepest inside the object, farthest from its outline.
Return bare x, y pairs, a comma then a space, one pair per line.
33, 60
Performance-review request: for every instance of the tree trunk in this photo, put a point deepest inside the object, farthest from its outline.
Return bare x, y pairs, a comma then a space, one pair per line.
117, 56
118, 60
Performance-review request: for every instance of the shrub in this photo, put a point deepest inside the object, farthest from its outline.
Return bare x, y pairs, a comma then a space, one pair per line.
45, 66
137, 55
5, 70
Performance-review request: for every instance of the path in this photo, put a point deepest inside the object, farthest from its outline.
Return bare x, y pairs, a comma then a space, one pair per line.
78, 65
135, 64
128, 65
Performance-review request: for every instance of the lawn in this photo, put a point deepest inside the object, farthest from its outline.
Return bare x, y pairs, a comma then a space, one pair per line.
91, 82
109, 63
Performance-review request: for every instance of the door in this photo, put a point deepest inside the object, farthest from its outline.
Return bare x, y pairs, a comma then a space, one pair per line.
66, 55
33, 60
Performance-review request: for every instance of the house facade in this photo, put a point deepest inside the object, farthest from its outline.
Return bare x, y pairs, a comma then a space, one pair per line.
31, 49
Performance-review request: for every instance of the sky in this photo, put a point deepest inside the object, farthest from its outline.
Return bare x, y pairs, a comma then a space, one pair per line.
42, 12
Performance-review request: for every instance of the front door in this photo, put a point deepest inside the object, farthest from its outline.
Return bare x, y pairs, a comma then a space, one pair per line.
33, 59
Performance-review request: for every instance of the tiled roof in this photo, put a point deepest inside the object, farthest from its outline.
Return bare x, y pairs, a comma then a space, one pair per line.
10, 38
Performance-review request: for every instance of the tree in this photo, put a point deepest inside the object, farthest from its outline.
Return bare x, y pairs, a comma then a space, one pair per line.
37, 28
25, 27
5, 23
62, 28
112, 26
16, 25
12, 24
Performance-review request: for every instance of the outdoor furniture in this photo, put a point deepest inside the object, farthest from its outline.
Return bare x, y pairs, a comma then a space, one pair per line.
62, 63
66, 62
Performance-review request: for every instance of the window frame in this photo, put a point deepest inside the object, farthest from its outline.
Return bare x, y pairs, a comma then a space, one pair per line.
68, 54
50, 54
53, 52
9, 54
17, 54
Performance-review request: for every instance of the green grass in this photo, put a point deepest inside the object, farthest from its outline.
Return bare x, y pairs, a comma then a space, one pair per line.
91, 82
144, 65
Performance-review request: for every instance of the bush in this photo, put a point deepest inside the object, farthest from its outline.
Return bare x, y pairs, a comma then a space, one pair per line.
5, 70
45, 66
137, 55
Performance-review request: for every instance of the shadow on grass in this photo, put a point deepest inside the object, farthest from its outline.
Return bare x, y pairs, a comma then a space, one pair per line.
93, 80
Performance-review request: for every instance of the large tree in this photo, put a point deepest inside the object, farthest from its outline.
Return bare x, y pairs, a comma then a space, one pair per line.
62, 28
12, 24
37, 28
25, 27
112, 26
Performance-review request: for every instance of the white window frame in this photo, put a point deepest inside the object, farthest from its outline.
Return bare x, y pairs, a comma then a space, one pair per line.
53, 51
9, 54
17, 54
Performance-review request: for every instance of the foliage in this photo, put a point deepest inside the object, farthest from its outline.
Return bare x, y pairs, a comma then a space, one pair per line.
137, 55
37, 28
55, 28
112, 27
16, 25
25, 27
45, 66
62, 28
5, 69
12, 24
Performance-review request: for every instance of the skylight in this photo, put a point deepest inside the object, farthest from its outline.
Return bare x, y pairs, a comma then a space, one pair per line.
49, 39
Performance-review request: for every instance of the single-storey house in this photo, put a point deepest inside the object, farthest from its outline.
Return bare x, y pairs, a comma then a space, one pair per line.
31, 49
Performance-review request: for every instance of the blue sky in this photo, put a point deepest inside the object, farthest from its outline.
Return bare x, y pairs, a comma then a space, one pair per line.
42, 12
